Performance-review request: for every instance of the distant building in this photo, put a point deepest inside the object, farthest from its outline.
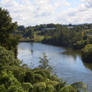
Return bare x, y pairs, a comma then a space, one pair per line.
46, 29
70, 27
89, 33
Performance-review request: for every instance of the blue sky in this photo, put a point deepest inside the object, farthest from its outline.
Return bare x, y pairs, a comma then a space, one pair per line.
33, 12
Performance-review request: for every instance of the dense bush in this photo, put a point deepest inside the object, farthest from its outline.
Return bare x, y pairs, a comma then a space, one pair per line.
87, 53
79, 44
7, 57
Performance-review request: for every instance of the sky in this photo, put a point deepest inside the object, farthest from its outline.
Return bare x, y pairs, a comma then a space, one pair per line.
34, 12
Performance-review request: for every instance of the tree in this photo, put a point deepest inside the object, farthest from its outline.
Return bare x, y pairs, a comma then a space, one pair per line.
44, 62
6, 28
30, 32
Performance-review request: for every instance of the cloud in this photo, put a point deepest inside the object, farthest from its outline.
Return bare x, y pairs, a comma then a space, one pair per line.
32, 12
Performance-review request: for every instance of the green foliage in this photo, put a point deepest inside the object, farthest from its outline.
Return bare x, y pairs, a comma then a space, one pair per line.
43, 72
38, 77
18, 72
79, 86
29, 77
50, 88
8, 79
44, 62
39, 87
68, 89
15, 89
27, 86
87, 53
63, 36
79, 44
7, 57
2, 88
6, 28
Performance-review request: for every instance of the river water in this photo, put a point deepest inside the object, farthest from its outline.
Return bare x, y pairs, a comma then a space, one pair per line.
67, 64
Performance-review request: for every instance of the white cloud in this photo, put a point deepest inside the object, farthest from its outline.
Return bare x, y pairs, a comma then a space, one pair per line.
32, 12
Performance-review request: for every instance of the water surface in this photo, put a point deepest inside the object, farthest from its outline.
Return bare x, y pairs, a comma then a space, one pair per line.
67, 64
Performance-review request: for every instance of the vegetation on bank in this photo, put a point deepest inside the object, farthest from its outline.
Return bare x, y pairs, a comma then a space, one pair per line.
87, 53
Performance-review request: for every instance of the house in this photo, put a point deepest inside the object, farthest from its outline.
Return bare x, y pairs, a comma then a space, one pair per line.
46, 29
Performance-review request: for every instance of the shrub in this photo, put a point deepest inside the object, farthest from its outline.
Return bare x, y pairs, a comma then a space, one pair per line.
7, 57
68, 88
87, 53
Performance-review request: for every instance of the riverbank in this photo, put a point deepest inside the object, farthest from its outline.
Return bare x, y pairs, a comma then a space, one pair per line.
26, 40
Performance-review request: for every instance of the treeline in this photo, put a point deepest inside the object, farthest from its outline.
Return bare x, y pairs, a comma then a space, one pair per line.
16, 77
75, 36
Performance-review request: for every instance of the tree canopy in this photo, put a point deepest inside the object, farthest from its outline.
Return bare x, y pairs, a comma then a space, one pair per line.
6, 28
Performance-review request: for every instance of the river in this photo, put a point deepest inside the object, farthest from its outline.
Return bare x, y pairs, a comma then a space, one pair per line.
67, 64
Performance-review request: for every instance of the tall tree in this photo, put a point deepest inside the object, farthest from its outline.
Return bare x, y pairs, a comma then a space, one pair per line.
6, 28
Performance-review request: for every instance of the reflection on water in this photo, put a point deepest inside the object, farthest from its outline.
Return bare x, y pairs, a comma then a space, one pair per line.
65, 63
89, 66
72, 53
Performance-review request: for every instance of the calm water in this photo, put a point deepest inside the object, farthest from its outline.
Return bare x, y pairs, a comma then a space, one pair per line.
67, 64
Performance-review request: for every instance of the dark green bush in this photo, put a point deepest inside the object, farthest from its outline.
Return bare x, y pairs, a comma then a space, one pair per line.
7, 57
87, 53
